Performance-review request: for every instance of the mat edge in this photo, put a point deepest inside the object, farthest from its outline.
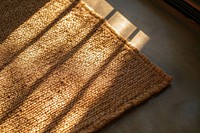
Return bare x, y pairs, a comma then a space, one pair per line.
140, 98
126, 106
127, 44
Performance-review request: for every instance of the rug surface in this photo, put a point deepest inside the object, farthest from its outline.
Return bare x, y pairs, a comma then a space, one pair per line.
63, 69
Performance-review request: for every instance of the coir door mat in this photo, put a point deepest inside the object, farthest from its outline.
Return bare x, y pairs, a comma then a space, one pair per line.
63, 69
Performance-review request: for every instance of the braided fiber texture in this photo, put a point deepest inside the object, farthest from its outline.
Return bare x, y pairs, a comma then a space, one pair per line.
64, 69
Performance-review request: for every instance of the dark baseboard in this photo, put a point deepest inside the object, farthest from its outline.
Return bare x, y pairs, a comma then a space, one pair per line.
186, 9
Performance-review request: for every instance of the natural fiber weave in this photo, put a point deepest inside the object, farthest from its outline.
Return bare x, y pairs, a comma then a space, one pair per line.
63, 69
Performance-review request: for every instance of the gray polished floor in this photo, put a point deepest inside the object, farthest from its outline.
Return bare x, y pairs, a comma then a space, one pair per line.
174, 46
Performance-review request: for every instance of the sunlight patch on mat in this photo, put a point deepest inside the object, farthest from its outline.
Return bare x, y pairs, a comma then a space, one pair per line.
26, 31
30, 29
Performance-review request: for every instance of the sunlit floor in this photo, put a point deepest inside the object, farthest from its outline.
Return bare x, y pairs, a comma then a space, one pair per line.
172, 45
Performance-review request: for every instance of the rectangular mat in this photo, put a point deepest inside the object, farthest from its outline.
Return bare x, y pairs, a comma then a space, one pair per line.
63, 69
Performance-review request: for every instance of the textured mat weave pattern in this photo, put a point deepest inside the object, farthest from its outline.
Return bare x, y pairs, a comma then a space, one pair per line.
64, 69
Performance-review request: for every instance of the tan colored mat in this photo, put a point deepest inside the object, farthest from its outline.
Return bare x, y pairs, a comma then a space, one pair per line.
63, 69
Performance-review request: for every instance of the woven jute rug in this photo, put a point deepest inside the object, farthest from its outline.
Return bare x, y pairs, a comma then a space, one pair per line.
64, 69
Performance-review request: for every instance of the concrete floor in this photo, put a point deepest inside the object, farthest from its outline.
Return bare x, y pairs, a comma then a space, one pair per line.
171, 44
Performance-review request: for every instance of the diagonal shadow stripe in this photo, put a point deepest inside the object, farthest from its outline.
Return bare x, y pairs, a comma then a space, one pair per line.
20, 100
15, 12
34, 40
80, 94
